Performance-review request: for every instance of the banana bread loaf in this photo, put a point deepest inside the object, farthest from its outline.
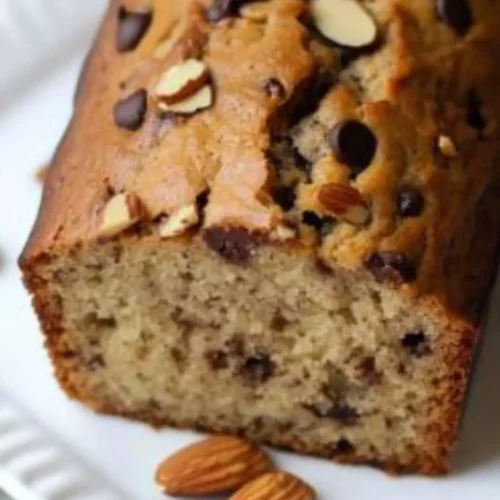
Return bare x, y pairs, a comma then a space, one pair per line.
278, 219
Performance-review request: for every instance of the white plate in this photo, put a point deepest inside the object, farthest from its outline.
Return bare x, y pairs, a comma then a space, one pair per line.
125, 453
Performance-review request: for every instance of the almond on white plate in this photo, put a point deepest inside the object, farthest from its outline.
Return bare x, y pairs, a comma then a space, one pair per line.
344, 22
181, 81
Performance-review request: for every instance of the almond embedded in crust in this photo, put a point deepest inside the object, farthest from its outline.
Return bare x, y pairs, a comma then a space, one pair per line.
181, 81
201, 100
121, 212
345, 203
215, 465
344, 22
276, 486
179, 221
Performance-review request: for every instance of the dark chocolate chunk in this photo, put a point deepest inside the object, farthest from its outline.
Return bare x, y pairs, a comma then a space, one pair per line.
457, 14
391, 266
217, 359
416, 343
129, 113
342, 412
233, 244
257, 369
344, 446
274, 88
284, 196
132, 26
410, 202
475, 116
354, 144
324, 225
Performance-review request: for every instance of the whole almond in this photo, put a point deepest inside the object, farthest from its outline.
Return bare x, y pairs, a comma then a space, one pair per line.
344, 202
275, 486
215, 465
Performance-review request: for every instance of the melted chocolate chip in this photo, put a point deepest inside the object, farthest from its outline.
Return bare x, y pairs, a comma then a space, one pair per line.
391, 266
353, 144
344, 446
233, 244
475, 116
132, 26
457, 14
129, 113
416, 343
257, 369
284, 196
410, 202
341, 412
324, 225
274, 88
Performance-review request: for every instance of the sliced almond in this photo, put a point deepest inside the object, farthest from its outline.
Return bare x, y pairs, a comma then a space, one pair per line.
283, 233
216, 465
179, 221
447, 146
276, 486
201, 100
121, 212
344, 22
345, 203
181, 81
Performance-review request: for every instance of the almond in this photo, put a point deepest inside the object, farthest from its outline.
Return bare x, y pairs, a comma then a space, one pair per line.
344, 22
121, 212
345, 203
447, 146
275, 486
179, 221
181, 81
201, 100
215, 465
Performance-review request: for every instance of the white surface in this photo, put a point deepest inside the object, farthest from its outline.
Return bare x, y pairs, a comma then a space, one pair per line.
126, 453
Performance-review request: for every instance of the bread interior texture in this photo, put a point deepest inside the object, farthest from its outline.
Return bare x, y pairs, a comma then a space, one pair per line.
278, 349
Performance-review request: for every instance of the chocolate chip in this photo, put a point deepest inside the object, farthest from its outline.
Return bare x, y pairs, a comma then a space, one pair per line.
354, 144
132, 26
475, 116
217, 360
324, 225
410, 202
234, 244
416, 343
257, 369
391, 266
344, 446
457, 14
284, 196
342, 412
129, 113
274, 88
